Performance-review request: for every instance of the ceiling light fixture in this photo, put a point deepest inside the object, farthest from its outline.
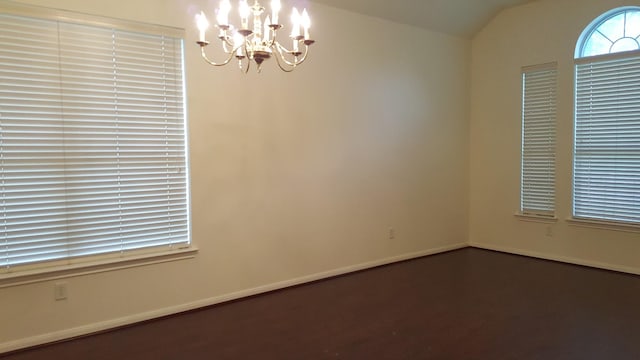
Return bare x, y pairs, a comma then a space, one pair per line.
259, 43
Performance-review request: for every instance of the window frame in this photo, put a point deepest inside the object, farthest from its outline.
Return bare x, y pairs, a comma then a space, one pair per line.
47, 270
580, 60
546, 80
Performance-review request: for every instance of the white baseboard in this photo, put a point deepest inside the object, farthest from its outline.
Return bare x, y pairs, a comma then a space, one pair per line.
564, 259
128, 320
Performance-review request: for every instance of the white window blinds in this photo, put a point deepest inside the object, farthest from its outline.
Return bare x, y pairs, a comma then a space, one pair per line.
607, 139
538, 139
93, 153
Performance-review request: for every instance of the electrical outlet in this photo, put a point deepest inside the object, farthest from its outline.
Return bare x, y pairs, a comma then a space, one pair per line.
60, 291
392, 233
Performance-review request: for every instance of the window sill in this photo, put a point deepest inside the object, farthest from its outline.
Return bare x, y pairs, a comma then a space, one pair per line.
16, 278
536, 217
604, 225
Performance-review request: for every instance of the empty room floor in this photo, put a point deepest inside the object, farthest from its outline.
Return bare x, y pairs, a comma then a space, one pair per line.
464, 304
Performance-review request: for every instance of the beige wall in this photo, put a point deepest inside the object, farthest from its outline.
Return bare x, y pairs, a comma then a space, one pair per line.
294, 176
540, 32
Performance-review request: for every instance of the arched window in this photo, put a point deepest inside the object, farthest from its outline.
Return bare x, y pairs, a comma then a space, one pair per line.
606, 183
615, 31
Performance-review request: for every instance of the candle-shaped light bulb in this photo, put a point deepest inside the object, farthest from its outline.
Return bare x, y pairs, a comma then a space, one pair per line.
267, 34
244, 14
238, 43
275, 9
296, 46
306, 23
295, 23
223, 12
203, 25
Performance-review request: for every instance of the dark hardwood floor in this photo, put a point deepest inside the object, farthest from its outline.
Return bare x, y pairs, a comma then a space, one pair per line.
465, 304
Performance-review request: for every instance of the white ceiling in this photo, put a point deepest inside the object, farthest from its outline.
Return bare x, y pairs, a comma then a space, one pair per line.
456, 17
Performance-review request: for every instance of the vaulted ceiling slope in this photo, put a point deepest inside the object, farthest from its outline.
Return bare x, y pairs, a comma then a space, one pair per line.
456, 17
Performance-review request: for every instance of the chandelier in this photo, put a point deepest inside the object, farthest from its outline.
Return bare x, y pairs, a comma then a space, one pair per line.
259, 42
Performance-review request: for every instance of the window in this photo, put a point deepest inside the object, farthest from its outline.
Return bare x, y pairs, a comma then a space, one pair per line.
606, 184
93, 154
538, 140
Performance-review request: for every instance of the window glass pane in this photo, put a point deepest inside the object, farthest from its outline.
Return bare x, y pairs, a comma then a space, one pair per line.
624, 44
597, 45
613, 28
633, 24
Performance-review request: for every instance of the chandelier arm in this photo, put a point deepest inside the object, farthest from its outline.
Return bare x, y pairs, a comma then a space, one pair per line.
204, 56
246, 70
279, 56
295, 63
249, 55
226, 41
274, 35
304, 56
281, 48
225, 46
